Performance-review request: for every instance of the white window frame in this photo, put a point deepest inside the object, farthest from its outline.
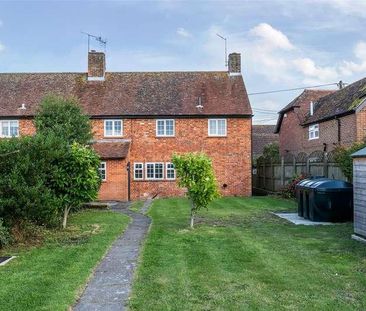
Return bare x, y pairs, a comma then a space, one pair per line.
9, 121
216, 133
113, 127
142, 170
154, 164
168, 169
313, 129
104, 163
164, 134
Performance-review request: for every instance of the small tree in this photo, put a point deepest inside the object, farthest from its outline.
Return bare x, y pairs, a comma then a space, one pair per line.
75, 179
63, 117
272, 151
195, 173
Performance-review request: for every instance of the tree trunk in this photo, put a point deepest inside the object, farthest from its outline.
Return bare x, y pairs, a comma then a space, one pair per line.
192, 214
66, 214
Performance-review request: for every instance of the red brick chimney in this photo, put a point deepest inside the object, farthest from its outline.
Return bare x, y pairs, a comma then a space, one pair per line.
96, 65
234, 63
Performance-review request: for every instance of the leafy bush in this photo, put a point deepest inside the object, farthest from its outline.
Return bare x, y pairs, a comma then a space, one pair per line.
271, 151
76, 180
25, 168
344, 159
289, 191
195, 173
5, 237
63, 117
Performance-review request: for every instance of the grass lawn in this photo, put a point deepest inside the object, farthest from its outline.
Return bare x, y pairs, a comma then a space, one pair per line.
49, 277
241, 257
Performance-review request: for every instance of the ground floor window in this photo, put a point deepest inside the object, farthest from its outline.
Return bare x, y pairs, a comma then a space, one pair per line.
9, 128
103, 171
170, 171
153, 171
138, 169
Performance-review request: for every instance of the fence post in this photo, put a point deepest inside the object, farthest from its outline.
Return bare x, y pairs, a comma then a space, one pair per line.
308, 166
325, 165
282, 171
264, 174
294, 164
272, 176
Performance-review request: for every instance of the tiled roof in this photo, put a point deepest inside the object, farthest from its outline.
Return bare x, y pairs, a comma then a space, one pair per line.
338, 103
129, 94
301, 101
262, 135
112, 149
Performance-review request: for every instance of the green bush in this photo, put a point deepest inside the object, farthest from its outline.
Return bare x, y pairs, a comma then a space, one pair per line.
195, 173
289, 191
5, 237
344, 159
63, 117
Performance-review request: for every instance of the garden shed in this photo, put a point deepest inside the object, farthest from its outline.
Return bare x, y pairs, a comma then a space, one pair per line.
359, 196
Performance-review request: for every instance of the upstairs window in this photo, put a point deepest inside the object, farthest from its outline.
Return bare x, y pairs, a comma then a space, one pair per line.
314, 131
9, 128
170, 171
165, 127
138, 171
154, 171
217, 127
103, 171
113, 128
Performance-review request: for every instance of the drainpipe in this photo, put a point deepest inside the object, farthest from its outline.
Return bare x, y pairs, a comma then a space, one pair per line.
128, 181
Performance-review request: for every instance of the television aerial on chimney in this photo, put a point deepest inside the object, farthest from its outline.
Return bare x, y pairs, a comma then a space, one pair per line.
102, 42
225, 39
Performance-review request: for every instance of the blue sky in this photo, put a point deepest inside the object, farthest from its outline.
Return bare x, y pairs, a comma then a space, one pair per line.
284, 44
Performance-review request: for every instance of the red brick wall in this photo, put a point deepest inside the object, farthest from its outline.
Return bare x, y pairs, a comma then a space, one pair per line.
361, 124
115, 186
295, 138
231, 155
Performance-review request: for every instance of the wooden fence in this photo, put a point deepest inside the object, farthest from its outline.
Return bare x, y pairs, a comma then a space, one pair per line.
272, 175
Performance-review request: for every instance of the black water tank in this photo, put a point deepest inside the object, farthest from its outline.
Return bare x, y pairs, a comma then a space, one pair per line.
327, 200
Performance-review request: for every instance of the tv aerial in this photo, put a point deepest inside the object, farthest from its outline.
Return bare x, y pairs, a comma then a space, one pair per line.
102, 42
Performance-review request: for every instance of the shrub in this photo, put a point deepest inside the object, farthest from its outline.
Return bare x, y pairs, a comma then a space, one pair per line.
289, 191
344, 159
5, 237
25, 167
63, 117
76, 180
195, 173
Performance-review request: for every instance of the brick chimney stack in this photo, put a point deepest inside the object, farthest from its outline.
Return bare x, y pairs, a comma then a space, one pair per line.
96, 65
234, 63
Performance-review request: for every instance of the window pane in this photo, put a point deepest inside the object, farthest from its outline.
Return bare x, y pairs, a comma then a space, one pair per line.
150, 170
5, 128
14, 128
160, 124
169, 127
138, 171
158, 170
117, 128
212, 127
170, 172
102, 170
109, 128
221, 124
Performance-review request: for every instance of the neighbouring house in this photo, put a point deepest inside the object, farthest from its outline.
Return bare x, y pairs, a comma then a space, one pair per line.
262, 135
293, 137
140, 119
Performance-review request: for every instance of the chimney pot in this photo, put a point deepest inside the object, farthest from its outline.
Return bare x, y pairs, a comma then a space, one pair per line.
96, 65
234, 63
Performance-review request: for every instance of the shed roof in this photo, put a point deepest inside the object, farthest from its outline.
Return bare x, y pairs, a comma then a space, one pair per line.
360, 153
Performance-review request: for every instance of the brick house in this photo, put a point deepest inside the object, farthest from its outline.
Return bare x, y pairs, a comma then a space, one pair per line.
262, 135
293, 135
140, 119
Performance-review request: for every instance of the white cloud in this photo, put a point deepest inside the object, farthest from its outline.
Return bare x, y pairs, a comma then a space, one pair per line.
348, 7
309, 69
272, 36
183, 32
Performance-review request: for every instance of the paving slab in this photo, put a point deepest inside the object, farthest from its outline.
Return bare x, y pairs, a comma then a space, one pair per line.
110, 286
297, 220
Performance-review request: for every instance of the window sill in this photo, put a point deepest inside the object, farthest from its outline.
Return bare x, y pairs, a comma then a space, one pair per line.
314, 138
154, 180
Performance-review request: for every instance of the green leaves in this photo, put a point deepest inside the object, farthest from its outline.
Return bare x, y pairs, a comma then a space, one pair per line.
63, 117
195, 172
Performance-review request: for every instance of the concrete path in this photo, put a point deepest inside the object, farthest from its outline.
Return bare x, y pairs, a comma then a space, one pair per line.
110, 286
